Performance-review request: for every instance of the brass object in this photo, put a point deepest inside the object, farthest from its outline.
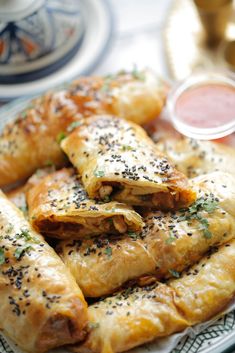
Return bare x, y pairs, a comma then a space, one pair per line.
214, 16
229, 54
184, 40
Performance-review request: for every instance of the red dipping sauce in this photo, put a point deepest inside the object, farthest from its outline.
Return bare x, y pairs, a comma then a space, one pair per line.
208, 106
203, 106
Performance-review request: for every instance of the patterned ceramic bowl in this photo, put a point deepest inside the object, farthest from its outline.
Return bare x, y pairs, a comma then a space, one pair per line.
37, 37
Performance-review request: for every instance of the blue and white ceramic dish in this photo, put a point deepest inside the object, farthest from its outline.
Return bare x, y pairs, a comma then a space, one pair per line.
41, 41
56, 42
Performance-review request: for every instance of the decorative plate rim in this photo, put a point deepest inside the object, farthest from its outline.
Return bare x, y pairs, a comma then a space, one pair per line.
68, 72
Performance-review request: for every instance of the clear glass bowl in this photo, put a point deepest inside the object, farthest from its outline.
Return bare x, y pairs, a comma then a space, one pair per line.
197, 80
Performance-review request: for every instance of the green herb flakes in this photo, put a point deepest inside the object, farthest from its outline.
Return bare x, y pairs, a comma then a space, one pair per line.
132, 235
2, 256
127, 148
61, 136
73, 125
24, 234
106, 199
171, 239
93, 325
99, 173
24, 209
21, 250
108, 251
208, 205
174, 273
9, 228
138, 75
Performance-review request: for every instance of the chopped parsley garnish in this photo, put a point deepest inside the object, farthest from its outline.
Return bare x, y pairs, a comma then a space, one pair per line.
93, 325
126, 148
48, 163
24, 234
105, 87
138, 74
208, 205
99, 173
174, 273
24, 114
73, 125
108, 251
24, 209
107, 81
21, 250
203, 204
2, 256
106, 198
132, 235
10, 228
171, 239
60, 137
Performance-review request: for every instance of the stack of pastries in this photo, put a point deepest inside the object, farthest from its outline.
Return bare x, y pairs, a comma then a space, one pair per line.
121, 240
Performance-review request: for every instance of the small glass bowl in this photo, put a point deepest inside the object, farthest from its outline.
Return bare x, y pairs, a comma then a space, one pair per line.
197, 80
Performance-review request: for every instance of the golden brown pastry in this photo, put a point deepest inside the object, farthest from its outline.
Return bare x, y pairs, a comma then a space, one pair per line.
140, 315
137, 96
195, 157
169, 242
117, 159
59, 207
41, 305
18, 195
32, 141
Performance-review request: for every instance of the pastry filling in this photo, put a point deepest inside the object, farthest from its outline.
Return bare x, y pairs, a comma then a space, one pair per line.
162, 199
92, 226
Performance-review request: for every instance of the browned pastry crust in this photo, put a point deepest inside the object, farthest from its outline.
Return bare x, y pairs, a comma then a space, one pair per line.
169, 241
18, 194
117, 159
140, 315
32, 141
60, 207
195, 157
41, 305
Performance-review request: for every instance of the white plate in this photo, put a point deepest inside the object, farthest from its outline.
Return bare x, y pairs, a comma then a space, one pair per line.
219, 337
98, 20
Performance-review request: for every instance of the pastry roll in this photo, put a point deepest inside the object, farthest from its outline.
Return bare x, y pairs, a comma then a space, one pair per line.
195, 157
41, 304
18, 195
169, 242
137, 96
59, 207
116, 159
140, 315
32, 141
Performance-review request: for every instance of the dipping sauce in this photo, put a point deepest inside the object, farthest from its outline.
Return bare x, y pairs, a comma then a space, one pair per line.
206, 106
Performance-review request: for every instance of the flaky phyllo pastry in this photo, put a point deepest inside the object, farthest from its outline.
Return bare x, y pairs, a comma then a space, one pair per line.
140, 315
60, 207
32, 141
169, 242
18, 194
117, 160
41, 305
195, 157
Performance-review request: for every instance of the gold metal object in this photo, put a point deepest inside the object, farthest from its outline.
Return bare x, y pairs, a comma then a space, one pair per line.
229, 54
184, 41
214, 16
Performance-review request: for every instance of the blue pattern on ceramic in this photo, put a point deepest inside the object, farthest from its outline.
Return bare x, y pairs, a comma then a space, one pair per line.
42, 39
